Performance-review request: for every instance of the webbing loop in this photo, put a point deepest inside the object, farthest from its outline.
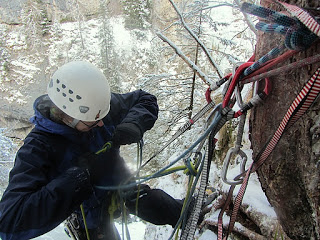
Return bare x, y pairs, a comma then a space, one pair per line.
215, 86
234, 82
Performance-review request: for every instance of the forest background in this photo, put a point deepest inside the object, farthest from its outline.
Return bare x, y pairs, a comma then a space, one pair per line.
123, 39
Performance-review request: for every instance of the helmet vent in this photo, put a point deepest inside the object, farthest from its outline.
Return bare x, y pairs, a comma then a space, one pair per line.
78, 97
83, 109
70, 99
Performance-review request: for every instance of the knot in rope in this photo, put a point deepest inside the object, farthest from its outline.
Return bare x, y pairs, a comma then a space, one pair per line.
297, 35
299, 39
191, 170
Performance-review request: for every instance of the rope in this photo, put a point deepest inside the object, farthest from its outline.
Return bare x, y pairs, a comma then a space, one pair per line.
284, 69
268, 14
300, 105
297, 35
184, 128
104, 148
270, 28
214, 123
193, 219
264, 59
193, 180
304, 17
85, 221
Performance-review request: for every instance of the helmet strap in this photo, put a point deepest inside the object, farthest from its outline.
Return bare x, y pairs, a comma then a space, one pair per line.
72, 123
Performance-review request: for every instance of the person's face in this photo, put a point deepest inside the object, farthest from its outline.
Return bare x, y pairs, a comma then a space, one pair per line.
84, 126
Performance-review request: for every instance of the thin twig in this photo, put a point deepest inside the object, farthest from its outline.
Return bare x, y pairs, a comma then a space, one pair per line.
191, 64
219, 72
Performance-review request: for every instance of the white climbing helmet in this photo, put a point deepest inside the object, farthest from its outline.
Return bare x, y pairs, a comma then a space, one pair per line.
80, 90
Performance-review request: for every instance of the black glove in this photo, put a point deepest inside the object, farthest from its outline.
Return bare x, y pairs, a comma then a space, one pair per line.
126, 133
130, 195
89, 162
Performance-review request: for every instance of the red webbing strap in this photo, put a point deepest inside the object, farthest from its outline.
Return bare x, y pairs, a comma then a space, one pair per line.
226, 204
299, 106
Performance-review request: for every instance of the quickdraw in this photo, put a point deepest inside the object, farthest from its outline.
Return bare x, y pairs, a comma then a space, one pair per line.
299, 106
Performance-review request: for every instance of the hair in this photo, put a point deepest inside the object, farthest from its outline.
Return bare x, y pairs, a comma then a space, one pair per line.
58, 116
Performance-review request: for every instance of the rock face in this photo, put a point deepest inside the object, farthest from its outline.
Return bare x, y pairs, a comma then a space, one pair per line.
10, 11
38, 36
290, 176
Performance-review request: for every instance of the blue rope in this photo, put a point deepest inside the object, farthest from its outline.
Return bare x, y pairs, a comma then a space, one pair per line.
269, 14
190, 167
270, 55
299, 39
297, 36
270, 28
214, 123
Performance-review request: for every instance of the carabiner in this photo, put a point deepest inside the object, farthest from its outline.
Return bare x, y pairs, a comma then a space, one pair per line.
226, 162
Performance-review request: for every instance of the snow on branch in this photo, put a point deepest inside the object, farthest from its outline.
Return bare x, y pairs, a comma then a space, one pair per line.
191, 64
248, 19
206, 51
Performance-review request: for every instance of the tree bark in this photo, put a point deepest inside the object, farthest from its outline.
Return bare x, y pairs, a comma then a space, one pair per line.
290, 176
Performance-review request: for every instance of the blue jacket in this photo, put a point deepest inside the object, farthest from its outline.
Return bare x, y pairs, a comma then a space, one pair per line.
45, 187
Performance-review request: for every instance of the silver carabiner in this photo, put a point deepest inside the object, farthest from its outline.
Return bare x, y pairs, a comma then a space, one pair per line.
226, 162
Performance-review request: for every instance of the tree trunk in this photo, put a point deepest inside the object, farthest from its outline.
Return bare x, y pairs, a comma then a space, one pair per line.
290, 176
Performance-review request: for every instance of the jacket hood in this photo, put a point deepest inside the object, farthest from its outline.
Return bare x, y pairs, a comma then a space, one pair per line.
42, 121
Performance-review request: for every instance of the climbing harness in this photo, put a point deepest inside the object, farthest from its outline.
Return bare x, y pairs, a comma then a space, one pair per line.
73, 229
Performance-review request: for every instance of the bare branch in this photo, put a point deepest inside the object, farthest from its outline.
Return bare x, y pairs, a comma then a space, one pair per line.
239, 228
248, 20
191, 64
219, 72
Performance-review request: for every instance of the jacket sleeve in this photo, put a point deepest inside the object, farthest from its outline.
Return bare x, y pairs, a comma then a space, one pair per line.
32, 203
138, 107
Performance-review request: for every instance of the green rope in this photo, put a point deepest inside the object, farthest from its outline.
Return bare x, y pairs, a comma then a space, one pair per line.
84, 221
104, 148
191, 178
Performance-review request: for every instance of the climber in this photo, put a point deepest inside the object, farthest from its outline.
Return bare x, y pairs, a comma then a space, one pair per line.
57, 169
